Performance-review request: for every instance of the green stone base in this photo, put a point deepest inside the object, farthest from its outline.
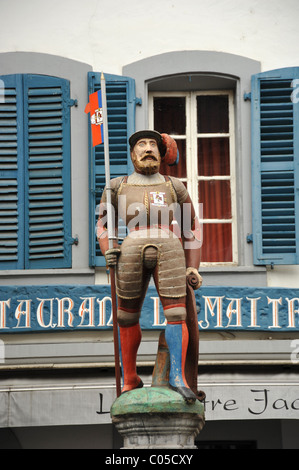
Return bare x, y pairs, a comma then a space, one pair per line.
157, 418
154, 400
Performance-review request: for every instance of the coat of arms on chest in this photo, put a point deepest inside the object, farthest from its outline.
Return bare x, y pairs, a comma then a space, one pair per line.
158, 198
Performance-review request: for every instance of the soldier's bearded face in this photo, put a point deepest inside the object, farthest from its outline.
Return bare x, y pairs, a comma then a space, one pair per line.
146, 157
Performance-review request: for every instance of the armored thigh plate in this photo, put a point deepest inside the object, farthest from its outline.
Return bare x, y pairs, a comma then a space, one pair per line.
151, 248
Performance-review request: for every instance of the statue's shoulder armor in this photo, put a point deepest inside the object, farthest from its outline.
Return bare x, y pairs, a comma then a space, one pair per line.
115, 184
179, 188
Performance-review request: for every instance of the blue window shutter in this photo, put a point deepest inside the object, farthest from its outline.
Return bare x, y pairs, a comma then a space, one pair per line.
11, 173
35, 200
121, 103
47, 172
275, 167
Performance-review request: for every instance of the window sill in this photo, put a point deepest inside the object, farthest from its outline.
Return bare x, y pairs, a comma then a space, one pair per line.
242, 276
232, 269
46, 272
217, 269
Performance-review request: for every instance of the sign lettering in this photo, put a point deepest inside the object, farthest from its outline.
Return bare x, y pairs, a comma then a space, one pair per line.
56, 308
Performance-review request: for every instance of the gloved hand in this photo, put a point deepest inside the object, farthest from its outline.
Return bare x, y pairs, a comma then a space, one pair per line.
111, 256
194, 278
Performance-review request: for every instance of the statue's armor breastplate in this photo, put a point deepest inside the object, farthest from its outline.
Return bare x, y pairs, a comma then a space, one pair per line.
148, 211
146, 205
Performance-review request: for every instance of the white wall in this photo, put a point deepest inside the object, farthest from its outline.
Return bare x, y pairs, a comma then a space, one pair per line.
283, 276
108, 34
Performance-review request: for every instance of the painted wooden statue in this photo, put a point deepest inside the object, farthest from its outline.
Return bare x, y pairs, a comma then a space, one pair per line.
163, 241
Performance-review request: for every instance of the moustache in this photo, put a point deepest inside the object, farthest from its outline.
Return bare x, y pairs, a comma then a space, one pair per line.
149, 155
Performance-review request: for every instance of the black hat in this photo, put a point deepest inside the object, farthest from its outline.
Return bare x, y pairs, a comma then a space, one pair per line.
147, 134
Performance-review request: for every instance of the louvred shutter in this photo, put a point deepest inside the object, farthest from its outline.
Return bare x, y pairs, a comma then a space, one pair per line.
11, 173
275, 167
47, 173
121, 104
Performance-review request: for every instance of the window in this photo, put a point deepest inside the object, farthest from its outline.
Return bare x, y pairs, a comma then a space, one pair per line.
202, 124
35, 204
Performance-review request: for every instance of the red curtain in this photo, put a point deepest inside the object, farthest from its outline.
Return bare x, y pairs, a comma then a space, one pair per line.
217, 243
215, 195
170, 118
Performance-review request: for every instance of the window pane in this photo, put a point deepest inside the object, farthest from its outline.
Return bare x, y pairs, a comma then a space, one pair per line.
212, 114
213, 157
179, 171
170, 115
215, 196
217, 243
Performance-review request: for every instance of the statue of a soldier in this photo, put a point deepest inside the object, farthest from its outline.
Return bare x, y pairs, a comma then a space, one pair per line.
163, 242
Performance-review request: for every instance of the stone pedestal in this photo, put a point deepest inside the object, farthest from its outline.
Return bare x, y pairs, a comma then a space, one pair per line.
157, 418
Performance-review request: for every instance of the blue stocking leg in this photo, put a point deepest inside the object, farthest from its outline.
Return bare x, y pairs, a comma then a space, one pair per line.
177, 337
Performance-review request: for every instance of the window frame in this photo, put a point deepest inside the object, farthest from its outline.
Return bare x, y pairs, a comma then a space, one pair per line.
191, 137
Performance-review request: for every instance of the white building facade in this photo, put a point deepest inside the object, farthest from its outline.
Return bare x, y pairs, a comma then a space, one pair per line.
222, 78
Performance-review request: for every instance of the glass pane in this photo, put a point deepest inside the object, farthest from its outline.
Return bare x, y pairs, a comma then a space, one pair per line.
170, 115
179, 171
212, 114
217, 243
213, 157
215, 196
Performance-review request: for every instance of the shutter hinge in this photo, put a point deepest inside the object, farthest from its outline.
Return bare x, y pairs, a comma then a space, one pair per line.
138, 101
247, 96
249, 238
72, 102
73, 241
96, 191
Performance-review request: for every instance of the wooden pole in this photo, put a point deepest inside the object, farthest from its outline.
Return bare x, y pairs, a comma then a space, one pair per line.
111, 234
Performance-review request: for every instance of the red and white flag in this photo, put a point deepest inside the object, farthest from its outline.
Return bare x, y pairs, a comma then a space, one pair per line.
95, 108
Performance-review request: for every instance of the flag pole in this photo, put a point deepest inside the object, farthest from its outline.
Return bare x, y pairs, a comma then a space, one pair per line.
111, 234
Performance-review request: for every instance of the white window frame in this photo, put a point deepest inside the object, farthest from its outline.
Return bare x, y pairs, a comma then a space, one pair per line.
191, 155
